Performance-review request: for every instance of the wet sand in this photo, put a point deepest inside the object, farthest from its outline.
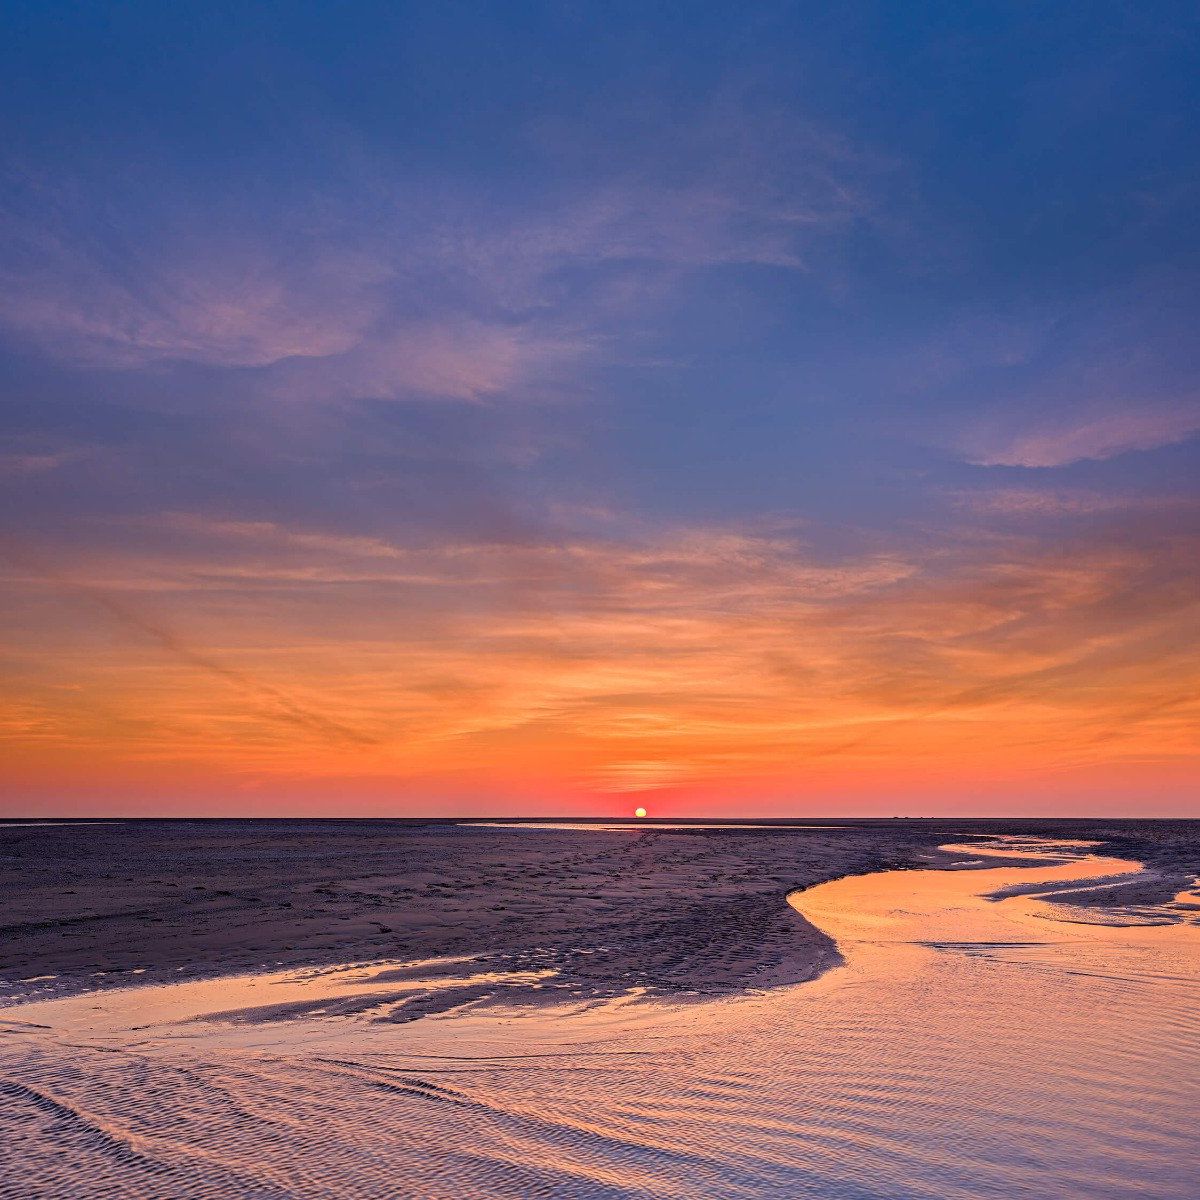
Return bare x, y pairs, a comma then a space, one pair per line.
977, 1037
675, 910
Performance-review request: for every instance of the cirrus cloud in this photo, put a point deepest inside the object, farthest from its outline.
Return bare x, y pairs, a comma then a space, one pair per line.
1059, 441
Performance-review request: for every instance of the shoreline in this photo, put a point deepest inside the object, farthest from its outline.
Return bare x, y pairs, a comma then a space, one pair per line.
700, 911
307, 1081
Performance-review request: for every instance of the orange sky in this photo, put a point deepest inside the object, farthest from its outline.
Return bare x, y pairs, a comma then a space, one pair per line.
734, 409
189, 665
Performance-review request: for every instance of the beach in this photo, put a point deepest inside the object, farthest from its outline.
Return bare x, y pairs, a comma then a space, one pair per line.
696, 1019
671, 907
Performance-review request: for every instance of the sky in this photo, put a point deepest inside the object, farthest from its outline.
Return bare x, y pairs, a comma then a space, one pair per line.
753, 410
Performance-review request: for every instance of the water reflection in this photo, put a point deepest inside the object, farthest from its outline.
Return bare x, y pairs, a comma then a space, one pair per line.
635, 826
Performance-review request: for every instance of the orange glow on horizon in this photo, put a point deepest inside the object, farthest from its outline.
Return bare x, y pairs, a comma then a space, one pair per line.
252, 668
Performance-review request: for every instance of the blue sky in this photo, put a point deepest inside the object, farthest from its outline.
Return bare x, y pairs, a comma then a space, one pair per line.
901, 292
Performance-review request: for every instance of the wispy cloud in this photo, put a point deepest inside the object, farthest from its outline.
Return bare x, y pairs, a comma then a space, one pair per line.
460, 359
383, 287
639, 776
1038, 503
36, 463
1058, 440
279, 705
101, 291
1064, 381
665, 661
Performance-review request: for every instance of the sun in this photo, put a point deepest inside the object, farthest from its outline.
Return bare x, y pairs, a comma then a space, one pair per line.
639, 812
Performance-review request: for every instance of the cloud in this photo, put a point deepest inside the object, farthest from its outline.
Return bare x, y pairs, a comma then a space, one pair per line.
1062, 381
379, 285
1033, 504
106, 294
669, 659
32, 463
281, 706
639, 776
1060, 440
454, 359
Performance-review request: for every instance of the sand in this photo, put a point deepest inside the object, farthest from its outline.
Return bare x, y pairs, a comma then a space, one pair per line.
675, 911
958, 1046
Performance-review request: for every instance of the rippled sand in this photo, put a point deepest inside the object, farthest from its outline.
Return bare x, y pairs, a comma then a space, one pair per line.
968, 1047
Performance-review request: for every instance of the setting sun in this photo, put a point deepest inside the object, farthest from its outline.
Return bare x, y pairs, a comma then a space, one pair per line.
639, 812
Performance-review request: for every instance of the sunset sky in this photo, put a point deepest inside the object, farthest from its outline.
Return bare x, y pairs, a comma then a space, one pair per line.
758, 409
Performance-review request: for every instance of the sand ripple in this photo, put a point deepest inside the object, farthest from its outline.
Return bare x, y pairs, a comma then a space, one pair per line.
968, 1048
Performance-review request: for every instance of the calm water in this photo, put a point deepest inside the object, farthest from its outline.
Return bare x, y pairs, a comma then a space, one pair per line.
967, 1048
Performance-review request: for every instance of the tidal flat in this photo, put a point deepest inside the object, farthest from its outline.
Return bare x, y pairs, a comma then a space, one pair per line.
600, 1009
